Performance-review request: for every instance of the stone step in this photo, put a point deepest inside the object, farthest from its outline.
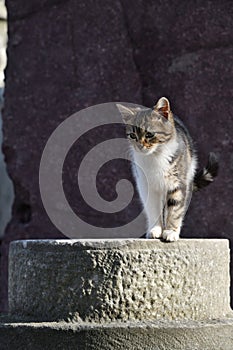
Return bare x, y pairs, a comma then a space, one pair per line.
187, 335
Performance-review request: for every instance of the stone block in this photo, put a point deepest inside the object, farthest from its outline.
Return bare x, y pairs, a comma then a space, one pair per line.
128, 279
118, 294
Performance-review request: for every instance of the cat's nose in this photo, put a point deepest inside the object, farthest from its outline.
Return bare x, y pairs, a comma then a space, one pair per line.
145, 144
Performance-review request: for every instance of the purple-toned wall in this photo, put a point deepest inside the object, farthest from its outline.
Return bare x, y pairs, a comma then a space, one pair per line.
67, 55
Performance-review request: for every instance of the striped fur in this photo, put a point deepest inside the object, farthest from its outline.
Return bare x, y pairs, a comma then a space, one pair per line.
165, 170
206, 176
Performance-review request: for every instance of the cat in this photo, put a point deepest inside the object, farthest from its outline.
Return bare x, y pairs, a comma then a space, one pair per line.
163, 148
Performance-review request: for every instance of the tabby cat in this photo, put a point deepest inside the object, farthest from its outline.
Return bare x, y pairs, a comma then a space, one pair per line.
162, 147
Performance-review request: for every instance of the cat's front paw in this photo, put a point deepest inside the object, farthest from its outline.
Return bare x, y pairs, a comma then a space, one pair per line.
170, 235
155, 232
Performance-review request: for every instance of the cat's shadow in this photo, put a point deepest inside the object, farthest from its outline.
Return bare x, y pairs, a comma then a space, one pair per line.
159, 239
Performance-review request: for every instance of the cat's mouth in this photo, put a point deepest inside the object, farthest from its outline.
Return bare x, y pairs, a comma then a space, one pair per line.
146, 150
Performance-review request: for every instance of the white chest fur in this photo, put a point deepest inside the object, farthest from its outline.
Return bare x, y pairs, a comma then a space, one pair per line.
150, 169
154, 167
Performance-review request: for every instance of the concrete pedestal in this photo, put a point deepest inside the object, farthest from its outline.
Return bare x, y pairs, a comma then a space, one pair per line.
118, 294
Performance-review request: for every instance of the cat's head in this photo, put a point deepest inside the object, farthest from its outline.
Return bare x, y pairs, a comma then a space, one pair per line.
148, 129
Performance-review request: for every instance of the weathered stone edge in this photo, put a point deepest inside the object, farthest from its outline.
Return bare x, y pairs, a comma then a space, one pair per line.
124, 244
189, 335
14, 322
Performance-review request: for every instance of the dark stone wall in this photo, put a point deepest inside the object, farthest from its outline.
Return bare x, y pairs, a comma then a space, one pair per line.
67, 55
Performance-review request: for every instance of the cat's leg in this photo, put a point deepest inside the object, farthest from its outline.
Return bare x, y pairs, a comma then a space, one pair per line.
154, 212
175, 211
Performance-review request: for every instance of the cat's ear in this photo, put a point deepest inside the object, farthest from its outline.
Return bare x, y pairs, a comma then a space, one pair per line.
163, 107
126, 112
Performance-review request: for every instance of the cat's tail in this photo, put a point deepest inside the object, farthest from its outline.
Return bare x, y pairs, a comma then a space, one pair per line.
205, 176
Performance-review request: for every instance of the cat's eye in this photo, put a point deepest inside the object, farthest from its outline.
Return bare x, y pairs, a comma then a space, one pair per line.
132, 136
149, 135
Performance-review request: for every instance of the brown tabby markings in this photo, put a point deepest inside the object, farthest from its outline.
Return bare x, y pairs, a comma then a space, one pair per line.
162, 147
167, 158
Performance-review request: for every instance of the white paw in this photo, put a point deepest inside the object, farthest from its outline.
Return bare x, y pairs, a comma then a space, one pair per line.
156, 232
170, 235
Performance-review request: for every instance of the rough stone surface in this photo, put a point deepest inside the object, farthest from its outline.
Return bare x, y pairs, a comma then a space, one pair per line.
108, 280
66, 55
139, 336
